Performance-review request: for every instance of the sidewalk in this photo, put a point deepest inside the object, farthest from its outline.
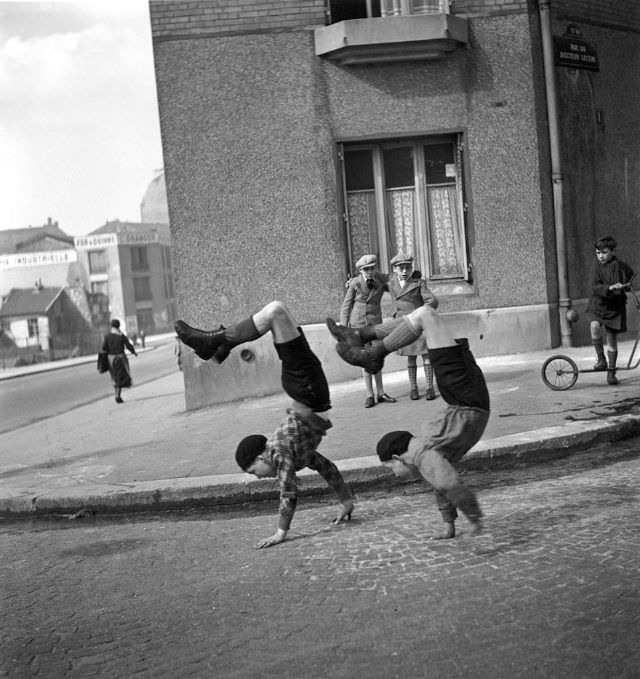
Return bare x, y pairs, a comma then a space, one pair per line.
11, 373
151, 454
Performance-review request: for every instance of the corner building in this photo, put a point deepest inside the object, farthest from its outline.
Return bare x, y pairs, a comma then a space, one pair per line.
300, 134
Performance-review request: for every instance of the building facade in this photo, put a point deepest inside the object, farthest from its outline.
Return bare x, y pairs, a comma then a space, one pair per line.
45, 323
37, 254
129, 274
494, 139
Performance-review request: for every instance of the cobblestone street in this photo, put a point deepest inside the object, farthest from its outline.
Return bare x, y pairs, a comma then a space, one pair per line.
551, 589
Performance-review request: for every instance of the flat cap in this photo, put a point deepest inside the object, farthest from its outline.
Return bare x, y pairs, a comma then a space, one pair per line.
366, 260
402, 258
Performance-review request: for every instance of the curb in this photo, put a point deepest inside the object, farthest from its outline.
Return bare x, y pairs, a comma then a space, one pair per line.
223, 491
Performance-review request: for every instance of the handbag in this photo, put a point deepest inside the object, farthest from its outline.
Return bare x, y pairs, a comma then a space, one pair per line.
103, 362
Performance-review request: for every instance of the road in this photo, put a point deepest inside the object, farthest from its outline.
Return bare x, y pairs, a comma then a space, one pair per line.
550, 590
30, 398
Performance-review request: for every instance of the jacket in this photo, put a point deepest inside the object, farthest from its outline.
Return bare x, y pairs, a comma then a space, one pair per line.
361, 305
414, 294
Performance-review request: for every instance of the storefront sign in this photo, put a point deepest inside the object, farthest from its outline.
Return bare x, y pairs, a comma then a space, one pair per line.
38, 258
95, 241
573, 51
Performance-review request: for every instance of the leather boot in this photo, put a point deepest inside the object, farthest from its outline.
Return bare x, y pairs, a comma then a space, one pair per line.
216, 344
342, 333
370, 357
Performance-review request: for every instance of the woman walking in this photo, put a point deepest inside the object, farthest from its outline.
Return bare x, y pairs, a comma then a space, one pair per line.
114, 344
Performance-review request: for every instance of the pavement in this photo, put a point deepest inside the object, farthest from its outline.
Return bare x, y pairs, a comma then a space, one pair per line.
151, 454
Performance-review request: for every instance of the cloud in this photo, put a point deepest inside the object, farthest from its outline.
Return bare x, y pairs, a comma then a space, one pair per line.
78, 113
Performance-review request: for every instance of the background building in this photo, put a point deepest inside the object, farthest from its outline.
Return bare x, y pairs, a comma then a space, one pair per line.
495, 139
129, 269
45, 323
42, 254
59, 294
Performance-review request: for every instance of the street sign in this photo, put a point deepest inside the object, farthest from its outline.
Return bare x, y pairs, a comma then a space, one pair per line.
573, 51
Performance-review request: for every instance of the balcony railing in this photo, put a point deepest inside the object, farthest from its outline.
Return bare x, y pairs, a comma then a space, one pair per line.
396, 8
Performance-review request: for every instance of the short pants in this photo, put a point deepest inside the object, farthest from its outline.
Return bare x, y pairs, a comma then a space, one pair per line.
456, 432
460, 380
303, 378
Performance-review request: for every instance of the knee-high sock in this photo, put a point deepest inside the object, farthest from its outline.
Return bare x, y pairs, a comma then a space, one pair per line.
243, 331
404, 333
599, 347
413, 372
428, 373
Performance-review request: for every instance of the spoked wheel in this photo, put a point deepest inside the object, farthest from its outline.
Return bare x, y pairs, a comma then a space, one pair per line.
559, 372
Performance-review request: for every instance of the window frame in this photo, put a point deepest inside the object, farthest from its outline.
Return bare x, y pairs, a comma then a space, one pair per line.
102, 254
381, 237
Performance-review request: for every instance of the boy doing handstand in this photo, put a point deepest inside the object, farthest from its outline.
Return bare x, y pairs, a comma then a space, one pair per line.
292, 446
463, 388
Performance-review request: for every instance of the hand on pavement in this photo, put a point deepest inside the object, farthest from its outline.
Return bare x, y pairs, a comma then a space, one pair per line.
344, 512
278, 536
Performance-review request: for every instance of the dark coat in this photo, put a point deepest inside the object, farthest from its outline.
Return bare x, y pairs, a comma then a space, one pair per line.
115, 343
609, 306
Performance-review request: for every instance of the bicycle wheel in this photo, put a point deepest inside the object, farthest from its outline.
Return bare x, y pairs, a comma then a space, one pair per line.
559, 372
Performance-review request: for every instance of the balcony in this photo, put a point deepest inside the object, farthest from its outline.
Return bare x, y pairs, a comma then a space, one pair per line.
401, 33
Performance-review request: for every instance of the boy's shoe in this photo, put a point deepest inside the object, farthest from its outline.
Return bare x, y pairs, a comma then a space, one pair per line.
611, 377
414, 395
600, 364
369, 402
206, 344
343, 334
362, 357
385, 398
430, 395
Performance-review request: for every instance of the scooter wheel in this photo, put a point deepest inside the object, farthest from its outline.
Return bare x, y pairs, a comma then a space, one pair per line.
559, 372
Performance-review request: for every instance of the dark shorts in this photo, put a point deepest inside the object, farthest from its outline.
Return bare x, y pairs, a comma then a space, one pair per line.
303, 378
460, 380
453, 435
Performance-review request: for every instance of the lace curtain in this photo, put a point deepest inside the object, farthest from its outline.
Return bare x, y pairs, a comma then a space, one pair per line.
446, 245
401, 208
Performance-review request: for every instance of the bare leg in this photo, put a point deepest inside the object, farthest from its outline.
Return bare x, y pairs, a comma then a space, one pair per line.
435, 330
277, 318
441, 474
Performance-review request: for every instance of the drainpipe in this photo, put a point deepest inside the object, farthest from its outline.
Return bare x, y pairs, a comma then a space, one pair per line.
564, 302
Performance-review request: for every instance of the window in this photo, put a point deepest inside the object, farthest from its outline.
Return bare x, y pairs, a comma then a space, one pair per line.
101, 287
32, 327
142, 289
97, 261
139, 259
407, 195
343, 10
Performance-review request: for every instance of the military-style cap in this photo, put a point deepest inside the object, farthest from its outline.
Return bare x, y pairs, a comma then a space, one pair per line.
402, 258
366, 260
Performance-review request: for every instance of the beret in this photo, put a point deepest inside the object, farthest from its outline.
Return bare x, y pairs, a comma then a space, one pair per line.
393, 443
366, 260
402, 258
249, 448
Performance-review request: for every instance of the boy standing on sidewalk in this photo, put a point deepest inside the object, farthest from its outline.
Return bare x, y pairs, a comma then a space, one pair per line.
463, 388
607, 307
360, 307
409, 293
293, 444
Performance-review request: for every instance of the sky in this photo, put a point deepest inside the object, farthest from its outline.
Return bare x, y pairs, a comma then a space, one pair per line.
79, 128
